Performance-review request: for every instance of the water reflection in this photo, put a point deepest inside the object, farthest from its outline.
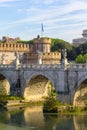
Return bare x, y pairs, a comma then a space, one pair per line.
33, 118
4, 116
80, 122
60, 122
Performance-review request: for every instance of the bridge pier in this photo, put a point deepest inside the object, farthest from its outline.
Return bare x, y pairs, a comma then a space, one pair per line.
64, 97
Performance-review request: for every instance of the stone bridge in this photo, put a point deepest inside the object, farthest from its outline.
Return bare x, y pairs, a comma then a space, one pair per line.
33, 81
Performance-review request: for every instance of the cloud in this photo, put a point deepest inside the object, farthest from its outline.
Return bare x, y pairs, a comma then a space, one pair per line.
58, 15
53, 15
49, 1
6, 3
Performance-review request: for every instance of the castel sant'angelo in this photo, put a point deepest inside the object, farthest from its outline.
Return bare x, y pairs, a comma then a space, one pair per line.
37, 53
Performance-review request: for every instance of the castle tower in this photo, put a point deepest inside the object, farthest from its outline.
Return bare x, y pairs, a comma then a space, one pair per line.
42, 44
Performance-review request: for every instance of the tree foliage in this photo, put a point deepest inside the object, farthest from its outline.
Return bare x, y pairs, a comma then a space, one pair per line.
26, 42
58, 45
72, 50
81, 58
50, 105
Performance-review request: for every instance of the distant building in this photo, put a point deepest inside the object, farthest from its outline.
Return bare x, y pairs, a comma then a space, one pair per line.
82, 40
36, 53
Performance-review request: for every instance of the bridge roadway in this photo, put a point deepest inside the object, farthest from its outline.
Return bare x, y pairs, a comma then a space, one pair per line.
32, 81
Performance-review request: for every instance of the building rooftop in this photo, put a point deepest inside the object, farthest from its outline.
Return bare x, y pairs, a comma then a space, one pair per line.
82, 40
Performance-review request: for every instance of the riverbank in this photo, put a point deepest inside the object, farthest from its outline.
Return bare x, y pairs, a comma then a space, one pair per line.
18, 104
71, 110
7, 101
11, 103
58, 110
61, 110
50, 105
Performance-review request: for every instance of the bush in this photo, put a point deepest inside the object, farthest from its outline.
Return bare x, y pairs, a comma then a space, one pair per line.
50, 105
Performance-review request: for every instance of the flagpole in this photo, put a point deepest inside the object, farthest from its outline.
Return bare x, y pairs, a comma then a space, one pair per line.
42, 30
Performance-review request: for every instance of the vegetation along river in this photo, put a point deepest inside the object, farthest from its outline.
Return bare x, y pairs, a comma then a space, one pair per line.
32, 118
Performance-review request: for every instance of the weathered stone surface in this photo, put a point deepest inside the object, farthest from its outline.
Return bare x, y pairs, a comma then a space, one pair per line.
31, 82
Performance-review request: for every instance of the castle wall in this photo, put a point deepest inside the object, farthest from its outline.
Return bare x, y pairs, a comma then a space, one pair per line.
8, 52
14, 47
47, 58
30, 58
9, 57
51, 58
28, 53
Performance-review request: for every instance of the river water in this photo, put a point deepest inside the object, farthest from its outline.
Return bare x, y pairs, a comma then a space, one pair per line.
32, 118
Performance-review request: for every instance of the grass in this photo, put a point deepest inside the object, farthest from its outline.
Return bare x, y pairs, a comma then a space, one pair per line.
4, 98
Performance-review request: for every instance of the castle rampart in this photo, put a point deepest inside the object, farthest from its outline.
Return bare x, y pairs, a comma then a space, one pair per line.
38, 52
4, 47
42, 40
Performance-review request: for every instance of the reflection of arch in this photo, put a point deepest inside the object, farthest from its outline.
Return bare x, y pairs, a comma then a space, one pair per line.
37, 86
4, 85
80, 122
80, 93
34, 116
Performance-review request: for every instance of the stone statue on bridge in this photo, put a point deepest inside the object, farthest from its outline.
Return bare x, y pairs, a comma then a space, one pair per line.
3, 59
64, 57
17, 61
39, 57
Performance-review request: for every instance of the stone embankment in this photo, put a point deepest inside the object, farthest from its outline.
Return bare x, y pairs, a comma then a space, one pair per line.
15, 103
11, 104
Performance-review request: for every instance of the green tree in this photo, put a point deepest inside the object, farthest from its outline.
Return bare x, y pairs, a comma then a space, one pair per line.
72, 54
58, 45
85, 57
80, 59
26, 42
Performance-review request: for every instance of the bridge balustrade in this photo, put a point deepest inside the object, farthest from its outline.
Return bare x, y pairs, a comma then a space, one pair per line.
77, 66
5, 66
42, 66
46, 66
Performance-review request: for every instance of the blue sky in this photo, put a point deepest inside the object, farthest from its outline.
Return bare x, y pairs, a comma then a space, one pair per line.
64, 19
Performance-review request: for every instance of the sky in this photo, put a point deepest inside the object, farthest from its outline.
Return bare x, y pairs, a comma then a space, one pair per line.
63, 19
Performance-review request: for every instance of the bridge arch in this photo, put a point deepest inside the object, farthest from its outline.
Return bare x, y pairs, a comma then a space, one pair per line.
46, 74
4, 84
37, 87
81, 79
80, 93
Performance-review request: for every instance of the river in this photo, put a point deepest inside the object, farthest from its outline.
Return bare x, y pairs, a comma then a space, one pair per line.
32, 118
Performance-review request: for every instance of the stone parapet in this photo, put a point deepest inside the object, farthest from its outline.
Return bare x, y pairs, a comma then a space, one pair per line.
75, 67
47, 58
4, 47
42, 40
